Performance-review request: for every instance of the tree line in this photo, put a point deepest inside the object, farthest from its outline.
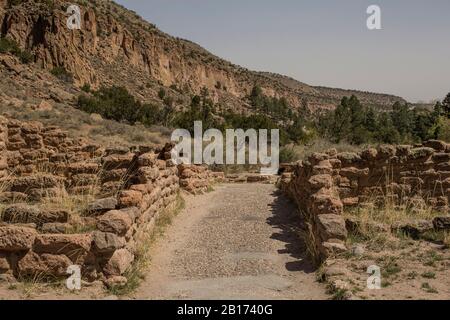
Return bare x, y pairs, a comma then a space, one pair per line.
351, 121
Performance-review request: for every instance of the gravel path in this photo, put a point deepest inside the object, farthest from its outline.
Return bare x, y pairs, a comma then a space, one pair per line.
238, 242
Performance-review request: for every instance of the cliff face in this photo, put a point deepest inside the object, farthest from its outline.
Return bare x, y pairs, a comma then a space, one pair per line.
115, 46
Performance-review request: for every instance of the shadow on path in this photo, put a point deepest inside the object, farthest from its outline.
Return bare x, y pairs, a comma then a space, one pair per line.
287, 219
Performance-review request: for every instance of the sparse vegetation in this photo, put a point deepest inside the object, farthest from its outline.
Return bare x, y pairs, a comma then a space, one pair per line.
10, 46
61, 73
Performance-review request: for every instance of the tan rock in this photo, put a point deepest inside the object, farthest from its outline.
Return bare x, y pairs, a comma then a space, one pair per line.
73, 246
43, 265
16, 238
130, 198
115, 221
119, 262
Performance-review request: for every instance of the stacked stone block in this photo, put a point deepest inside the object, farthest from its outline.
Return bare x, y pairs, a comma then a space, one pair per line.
326, 183
133, 188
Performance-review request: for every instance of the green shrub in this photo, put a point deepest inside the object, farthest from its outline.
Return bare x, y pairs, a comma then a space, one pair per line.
287, 155
86, 87
116, 103
26, 57
10, 46
62, 74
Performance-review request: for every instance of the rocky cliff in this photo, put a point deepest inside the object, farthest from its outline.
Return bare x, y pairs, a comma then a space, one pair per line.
116, 47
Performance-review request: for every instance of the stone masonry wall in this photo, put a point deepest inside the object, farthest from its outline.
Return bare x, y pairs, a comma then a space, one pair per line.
131, 189
326, 183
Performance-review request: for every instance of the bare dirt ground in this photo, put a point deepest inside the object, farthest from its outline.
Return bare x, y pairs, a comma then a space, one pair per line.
410, 270
238, 242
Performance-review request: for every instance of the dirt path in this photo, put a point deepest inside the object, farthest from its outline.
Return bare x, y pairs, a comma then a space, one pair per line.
238, 242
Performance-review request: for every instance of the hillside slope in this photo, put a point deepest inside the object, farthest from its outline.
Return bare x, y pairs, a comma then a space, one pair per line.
117, 47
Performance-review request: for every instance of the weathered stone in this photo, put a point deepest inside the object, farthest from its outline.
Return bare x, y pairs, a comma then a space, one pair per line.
352, 172
83, 167
22, 213
22, 184
43, 265
105, 242
55, 227
413, 229
420, 153
331, 226
320, 181
14, 238
102, 205
386, 151
130, 198
115, 221
348, 158
147, 159
116, 161
119, 263
325, 203
73, 246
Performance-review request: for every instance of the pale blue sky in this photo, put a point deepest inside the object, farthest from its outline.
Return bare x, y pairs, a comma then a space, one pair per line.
321, 42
